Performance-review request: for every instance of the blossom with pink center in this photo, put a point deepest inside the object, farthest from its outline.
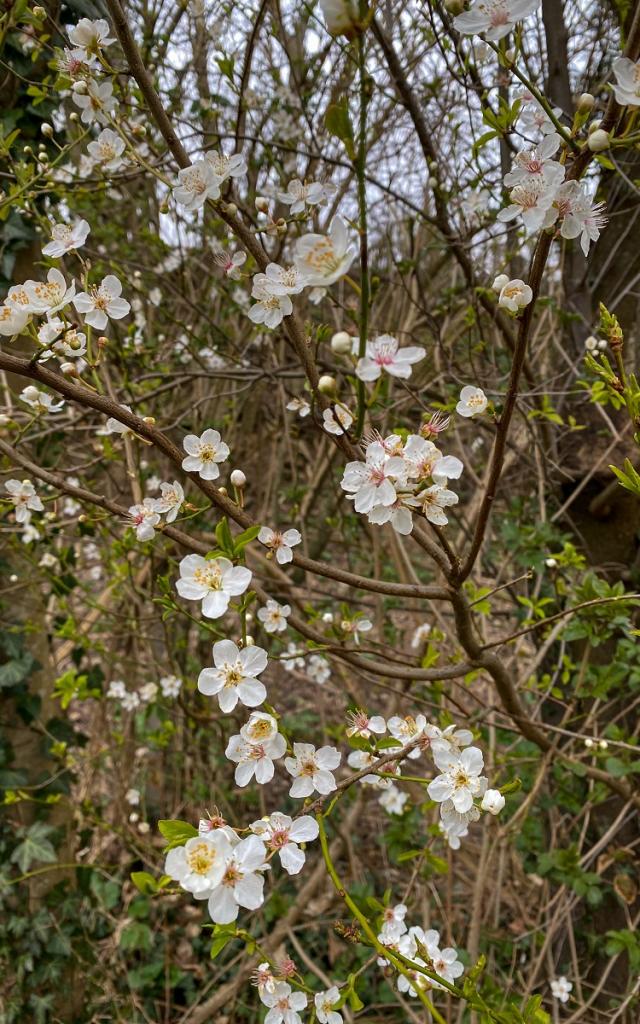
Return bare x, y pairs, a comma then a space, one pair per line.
312, 769
536, 164
385, 354
284, 1004
280, 544
532, 199
282, 834
494, 18
255, 749
363, 725
371, 482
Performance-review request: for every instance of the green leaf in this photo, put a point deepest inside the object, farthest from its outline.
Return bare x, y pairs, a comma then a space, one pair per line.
222, 935
145, 882
245, 538
338, 123
35, 847
224, 538
176, 832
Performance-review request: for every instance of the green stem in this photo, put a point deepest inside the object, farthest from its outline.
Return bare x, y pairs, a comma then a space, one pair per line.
360, 169
395, 958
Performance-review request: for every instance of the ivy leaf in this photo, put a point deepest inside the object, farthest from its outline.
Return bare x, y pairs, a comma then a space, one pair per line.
35, 847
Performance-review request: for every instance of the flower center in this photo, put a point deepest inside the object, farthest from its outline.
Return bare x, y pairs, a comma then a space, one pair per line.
201, 858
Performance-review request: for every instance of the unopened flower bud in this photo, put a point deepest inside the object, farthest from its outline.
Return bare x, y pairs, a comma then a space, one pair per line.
327, 385
341, 343
164, 206
47, 130
510, 55
454, 6
585, 103
102, 341
550, 563
4, 419
149, 420
232, 209
13, 578
588, 743
223, 491
594, 126
493, 801
238, 479
598, 141
262, 204
69, 369
281, 227
79, 87
249, 641
39, 12
603, 745
139, 130
500, 282
73, 116
591, 343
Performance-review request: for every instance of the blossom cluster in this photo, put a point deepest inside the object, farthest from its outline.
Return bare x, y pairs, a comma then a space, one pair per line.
398, 478
422, 948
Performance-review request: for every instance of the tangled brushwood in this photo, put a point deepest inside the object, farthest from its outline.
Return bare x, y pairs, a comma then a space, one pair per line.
319, 506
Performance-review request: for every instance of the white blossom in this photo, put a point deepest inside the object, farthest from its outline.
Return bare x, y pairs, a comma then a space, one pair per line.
171, 500
102, 302
91, 36
234, 677
627, 87
197, 183
282, 834
23, 495
214, 582
284, 1005
393, 800
279, 280
298, 195
12, 320
494, 18
299, 405
312, 769
325, 258
536, 164
336, 420
472, 401
369, 483
96, 103
274, 616
324, 1003
145, 518
279, 543
433, 502
107, 150
40, 401
515, 295
234, 166
242, 882
269, 309
561, 988
385, 354
66, 237
204, 453
363, 725
170, 686
460, 780
255, 749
